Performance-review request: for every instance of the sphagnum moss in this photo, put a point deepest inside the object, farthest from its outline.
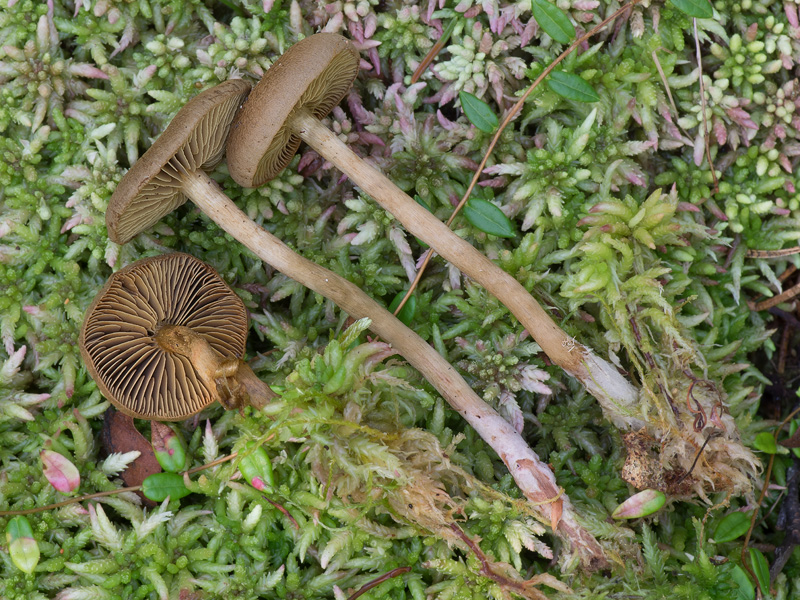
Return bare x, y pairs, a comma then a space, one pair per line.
336, 497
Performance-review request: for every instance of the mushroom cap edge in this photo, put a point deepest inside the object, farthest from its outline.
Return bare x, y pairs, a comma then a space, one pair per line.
259, 146
136, 183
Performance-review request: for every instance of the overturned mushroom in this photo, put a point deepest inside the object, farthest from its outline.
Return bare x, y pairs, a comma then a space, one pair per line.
139, 203
165, 337
161, 180
285, 107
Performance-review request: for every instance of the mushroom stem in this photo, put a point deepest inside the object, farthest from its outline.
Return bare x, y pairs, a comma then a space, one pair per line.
600, 378
185, 342
232, 379
533, 477
258, 393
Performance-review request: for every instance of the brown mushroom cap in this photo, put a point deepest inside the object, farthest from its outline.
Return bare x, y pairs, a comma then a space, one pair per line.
194, 140
314, 74
118, 345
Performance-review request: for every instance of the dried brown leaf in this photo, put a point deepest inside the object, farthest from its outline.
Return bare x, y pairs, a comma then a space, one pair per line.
120, 435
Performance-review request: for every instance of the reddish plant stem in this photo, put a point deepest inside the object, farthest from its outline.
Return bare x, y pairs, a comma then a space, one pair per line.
516, 587
379, 580
283, 510
743, 556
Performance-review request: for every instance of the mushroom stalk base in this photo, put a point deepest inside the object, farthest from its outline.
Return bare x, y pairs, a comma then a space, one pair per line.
232, 379
601, 379
533, 477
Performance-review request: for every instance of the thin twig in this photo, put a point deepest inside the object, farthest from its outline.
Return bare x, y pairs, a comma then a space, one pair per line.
213, 463
771, 508
30, 511
666, 84
709, 437
663, 76
700, 413
781, 278
784, 296
435, 49
379, 580
787, 273
513, 111
772, 253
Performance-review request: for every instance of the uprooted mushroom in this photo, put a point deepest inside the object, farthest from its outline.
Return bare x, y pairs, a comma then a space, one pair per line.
164, 338
285, 108
174, 169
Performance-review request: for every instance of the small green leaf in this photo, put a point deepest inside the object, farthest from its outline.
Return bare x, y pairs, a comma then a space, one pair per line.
731, 527
488, 218
640, 505
160, 485
24, 554
699, 9
766, 443
760, 568
478, 112
409, 310
168, 447
571, 87
746, 589
553, 21
22, 547
18, 527
256, 468
418, 199
793, 426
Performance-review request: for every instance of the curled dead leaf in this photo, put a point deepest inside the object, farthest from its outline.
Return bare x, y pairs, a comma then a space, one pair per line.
120, 435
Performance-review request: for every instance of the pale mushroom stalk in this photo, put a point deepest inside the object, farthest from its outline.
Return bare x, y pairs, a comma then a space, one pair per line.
173, 169
285, 108
532, 476
600, 378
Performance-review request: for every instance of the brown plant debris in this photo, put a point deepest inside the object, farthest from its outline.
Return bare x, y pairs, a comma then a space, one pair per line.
120, 435
643, 469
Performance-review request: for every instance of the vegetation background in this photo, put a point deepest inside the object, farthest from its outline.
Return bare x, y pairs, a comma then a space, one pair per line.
620, 227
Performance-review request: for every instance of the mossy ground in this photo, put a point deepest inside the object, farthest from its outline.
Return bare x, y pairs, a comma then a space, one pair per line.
376, 473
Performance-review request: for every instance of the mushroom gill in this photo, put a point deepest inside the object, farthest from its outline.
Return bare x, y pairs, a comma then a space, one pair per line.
119, 335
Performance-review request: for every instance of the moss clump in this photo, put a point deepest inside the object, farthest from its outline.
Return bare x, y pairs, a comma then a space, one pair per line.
372, 472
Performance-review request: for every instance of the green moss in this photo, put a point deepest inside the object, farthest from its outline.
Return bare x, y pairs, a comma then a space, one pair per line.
371, 469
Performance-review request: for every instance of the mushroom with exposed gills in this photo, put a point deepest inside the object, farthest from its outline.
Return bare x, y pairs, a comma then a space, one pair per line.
174, 167
164, 338
285, 108
153, 192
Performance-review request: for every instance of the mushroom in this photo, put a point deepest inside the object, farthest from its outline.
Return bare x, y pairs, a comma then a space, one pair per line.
285, 107
173, 168
164, 338
137, 204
